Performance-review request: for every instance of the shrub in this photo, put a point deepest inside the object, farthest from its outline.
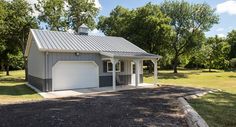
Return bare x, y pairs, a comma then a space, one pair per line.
233, 62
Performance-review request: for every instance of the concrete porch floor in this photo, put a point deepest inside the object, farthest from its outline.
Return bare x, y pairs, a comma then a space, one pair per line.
89, 91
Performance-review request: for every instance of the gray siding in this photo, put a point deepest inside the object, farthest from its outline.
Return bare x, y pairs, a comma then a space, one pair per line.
43, 82
36, 62
53, 58
40, 84
107, 80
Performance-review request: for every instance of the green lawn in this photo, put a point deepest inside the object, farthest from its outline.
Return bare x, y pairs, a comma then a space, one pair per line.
218, 109
13, 88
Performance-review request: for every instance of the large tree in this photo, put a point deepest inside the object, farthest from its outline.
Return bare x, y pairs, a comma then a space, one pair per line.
62, 15
214, 53
146, 26
117, 23
231, 38
18, 22
53, 13
82, 11
188, 22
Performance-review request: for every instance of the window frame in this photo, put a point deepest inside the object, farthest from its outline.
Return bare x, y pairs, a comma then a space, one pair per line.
119, 64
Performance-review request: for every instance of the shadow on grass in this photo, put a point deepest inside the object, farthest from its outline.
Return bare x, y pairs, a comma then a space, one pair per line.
218, 109
232, 76
171, 75
15, 90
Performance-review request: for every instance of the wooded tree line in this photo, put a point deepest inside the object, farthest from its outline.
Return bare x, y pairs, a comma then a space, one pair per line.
176, 31
173, 29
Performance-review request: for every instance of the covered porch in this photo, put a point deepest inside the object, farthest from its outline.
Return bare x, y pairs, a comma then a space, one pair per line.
137, 59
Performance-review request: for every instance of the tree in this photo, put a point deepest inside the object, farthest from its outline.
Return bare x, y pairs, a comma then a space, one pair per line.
53, 13
82, 11
150, 29
146, 27
231, 38
3, 13
61, 15
189, 21
117, 23
18, 22
214, 53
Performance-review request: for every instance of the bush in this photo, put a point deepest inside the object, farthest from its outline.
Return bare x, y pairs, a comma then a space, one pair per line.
233, 62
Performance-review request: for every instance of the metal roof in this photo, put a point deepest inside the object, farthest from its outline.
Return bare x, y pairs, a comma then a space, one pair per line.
67, 42
131, 55
55, 41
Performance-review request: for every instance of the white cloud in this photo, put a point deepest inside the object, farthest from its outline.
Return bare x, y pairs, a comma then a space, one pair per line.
227, 7
220, 29
96, 32
97, 4
221, 35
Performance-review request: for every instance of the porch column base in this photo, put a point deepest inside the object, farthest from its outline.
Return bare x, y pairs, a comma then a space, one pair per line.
155, 72
137, 73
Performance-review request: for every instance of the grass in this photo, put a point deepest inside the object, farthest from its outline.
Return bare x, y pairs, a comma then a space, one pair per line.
218, 109
13, 88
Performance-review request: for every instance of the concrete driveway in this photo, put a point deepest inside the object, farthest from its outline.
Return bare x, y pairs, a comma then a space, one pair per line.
137, 107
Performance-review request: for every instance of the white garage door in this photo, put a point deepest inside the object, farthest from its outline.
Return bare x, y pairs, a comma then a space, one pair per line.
74, 75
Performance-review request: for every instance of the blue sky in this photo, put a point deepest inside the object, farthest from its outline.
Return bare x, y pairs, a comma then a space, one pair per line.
225, 9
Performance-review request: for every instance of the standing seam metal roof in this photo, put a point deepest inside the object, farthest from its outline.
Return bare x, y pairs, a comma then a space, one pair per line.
56, 41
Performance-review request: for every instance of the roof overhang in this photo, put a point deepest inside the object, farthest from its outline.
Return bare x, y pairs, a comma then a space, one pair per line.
131, 55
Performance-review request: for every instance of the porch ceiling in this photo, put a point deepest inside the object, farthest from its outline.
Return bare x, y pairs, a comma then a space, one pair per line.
136, 55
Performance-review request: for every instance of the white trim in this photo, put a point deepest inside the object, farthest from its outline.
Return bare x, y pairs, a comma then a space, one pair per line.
119, 63
35, 89
36, 39
53, 70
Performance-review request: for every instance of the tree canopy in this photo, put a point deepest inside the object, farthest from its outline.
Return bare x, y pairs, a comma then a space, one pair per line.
189, 21
17, 22
146, 26
231, 38
214, 53
62, 15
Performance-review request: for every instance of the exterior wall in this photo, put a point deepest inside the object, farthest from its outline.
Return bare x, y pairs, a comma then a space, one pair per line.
53, 58
36, 62
43, 80
36, 67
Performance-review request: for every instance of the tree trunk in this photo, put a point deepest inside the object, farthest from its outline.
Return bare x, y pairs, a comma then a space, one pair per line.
7, 70
2, 66
175, 64
209, 69
26, 68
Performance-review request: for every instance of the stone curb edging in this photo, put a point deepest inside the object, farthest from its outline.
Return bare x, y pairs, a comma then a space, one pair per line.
200, 94
192, 117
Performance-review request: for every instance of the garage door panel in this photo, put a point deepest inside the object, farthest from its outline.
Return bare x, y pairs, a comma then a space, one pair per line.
72, 75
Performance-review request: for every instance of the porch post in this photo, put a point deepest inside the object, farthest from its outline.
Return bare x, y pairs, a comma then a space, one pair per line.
114, 61
155, 71
137, 73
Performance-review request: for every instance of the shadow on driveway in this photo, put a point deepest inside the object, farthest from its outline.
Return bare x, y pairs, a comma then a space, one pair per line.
140, 107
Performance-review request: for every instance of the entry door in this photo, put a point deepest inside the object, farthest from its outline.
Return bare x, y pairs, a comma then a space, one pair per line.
132, 73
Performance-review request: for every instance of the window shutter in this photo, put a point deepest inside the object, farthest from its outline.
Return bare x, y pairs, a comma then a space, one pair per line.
122, 66
104, 66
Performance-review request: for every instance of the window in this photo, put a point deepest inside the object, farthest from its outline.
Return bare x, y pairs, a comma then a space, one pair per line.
109, 66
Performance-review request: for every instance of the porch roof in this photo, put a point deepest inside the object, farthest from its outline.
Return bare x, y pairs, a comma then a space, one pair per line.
135, 55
